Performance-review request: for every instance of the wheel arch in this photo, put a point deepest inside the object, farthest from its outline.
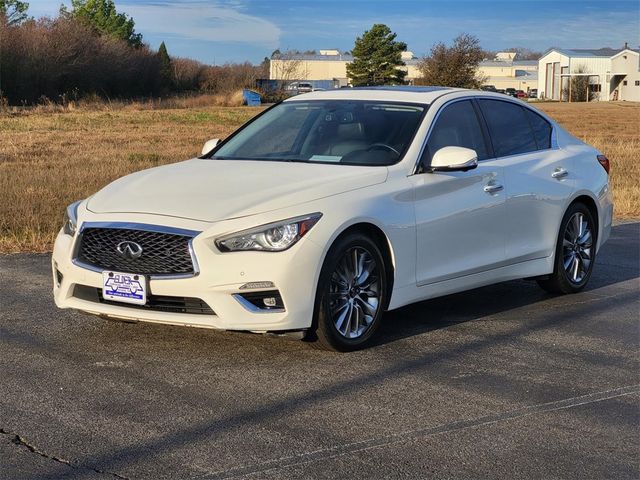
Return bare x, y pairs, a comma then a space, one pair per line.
375, 232
592, 204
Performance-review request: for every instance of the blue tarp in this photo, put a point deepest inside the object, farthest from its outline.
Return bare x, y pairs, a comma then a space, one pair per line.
251, 98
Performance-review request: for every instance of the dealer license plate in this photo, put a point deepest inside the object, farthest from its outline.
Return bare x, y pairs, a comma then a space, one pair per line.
124, 287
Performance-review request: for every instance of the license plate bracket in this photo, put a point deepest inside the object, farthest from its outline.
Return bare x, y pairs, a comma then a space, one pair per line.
124, 287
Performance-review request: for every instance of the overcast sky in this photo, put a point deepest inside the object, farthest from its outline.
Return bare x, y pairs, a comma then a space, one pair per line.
218, 31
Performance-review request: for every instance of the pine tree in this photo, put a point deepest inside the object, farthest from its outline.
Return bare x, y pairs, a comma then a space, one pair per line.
377, 56
14, 11
166, 70
102, 16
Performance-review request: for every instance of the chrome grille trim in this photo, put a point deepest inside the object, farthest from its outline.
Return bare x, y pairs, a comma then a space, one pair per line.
143, 227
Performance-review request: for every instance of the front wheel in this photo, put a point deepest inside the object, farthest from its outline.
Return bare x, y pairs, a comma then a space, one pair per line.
575, 252
352, 295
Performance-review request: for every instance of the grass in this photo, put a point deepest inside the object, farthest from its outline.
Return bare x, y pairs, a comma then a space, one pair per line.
50, 157
614, 129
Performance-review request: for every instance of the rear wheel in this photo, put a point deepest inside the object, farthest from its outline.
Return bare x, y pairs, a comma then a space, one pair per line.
352, 295
575, 252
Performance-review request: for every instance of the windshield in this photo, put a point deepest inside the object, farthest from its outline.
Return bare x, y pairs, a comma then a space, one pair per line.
327, 131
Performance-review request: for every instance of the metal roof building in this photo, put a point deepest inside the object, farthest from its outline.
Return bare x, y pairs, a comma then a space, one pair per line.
613, 74
327, 65
503, 72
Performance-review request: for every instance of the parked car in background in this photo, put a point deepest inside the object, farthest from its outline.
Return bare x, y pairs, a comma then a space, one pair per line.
488, 88
330, 208
521, 94
501, 90
510, 91
300, 87
533, 93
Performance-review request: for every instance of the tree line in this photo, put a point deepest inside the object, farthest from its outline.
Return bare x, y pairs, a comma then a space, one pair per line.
92, 49
378, 61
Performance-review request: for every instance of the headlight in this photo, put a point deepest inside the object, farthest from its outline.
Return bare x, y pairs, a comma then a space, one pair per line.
273, 237
71, 218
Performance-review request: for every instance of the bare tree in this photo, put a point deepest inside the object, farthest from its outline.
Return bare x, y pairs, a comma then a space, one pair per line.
288, 66
187, 73
455, 66
229, 77
578, 88
524, 53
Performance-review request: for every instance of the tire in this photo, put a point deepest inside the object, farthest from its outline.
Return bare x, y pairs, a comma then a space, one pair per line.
352, 295
575, 252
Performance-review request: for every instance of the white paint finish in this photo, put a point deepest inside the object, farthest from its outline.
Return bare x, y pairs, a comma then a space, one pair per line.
209, 145
445, 233
200, 189
460, 227
451, 157
535, 197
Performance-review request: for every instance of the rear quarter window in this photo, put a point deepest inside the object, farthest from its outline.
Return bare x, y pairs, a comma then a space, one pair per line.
541, 129
509, 127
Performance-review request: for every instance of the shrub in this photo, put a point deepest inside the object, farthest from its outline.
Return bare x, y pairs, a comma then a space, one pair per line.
63, 60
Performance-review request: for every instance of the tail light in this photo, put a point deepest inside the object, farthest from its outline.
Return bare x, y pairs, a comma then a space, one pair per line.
604, 161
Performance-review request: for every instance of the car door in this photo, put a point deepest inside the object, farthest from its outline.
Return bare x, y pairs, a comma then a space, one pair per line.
538, 177
459, 215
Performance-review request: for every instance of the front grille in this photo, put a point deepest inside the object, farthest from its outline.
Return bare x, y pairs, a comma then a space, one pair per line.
159, 303
162, 253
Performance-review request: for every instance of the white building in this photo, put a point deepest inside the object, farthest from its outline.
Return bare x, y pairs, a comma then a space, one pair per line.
506, 72
613, 74
331, 65
327, 65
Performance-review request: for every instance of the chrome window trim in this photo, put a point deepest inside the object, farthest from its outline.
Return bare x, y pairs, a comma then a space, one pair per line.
554, 139
139, 226
252, 308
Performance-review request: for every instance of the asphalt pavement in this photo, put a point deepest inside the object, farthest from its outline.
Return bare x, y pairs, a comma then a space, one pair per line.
503, 382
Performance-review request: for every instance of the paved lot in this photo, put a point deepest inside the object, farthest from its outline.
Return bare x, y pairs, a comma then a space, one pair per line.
502, 382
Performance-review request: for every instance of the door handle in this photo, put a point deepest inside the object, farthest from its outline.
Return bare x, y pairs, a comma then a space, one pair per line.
559, 173
493, 188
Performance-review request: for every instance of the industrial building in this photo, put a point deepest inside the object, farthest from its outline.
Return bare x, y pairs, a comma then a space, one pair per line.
504, 71
326, 65
613, 74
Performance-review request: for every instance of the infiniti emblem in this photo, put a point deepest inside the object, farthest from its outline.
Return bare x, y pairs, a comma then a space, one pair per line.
129, 249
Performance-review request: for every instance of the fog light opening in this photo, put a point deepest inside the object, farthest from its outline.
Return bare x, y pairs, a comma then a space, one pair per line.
265, 301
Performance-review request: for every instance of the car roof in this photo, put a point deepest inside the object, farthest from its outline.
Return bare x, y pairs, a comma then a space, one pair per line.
408, 94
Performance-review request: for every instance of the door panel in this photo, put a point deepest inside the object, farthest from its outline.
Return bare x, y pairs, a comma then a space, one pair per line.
537, 175
460, 227
537, 192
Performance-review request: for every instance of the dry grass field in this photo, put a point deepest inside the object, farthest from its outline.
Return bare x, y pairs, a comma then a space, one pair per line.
614, 129
50, 158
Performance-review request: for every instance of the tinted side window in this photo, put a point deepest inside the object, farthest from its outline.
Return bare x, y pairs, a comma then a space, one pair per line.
509, 127
541, 129
456, 126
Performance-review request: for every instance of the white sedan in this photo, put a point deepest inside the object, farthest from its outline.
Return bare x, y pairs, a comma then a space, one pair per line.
332, 207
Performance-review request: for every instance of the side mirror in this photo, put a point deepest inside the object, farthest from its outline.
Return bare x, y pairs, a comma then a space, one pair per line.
210, 145
453, 159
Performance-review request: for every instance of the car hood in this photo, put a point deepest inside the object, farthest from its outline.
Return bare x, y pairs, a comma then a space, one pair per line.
213, 190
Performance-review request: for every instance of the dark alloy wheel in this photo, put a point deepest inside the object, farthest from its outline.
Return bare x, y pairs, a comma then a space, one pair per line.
575, 252
352, 294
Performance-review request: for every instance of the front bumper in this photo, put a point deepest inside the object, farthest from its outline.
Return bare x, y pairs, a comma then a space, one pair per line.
293, 272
